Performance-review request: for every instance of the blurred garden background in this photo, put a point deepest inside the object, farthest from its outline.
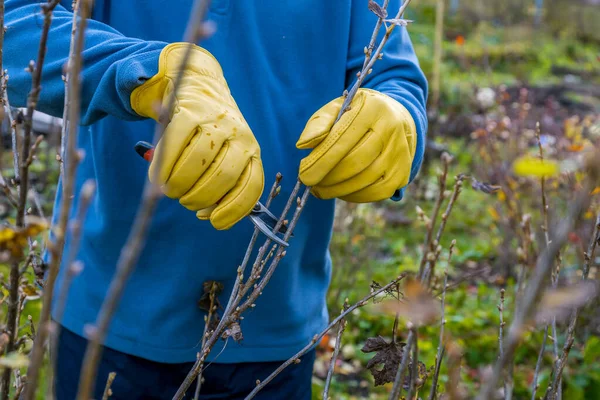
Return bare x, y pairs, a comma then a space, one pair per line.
505, 66
506, 79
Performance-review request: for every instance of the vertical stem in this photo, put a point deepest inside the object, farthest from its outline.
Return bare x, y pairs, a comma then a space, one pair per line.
536, 284
554, 390
414, 370
437, 53
67, 104
555, 273
107, 389
37, 353
137, 237
399, 379
334, 356
441, 346
538, 364
207, 321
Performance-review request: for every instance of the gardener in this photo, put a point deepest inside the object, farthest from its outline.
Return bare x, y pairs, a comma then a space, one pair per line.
272, 70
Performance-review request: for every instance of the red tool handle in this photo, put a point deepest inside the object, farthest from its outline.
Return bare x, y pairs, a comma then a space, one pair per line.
145, 150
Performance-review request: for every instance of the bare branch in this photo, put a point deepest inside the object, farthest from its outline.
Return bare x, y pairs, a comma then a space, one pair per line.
441, 346
23, 179
428, 270
371, 60
442, 179
67, 104
73, 267
535, 287
135, 242
336, 352
296, 358
562, 361
107, 389
399, 379
415, 371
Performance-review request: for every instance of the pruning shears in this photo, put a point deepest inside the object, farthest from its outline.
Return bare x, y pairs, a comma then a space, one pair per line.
260, 216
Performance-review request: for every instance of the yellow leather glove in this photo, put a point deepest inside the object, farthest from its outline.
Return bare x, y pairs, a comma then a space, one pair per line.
366, 156
210, 160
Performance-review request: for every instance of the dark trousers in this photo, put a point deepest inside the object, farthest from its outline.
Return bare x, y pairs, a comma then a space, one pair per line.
139, 378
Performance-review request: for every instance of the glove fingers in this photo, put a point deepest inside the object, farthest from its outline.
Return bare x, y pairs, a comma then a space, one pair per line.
396, 177
359, 158
218, 179
342, 138
241, 199
176, 137
194, 161
205, 213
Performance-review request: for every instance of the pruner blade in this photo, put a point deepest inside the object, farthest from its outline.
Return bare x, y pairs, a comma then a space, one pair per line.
265, 221
260, 216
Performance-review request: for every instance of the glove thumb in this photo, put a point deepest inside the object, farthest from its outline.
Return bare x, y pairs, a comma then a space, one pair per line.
319, 125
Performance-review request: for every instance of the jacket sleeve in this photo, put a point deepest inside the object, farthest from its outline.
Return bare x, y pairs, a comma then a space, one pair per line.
397, 74
113, 65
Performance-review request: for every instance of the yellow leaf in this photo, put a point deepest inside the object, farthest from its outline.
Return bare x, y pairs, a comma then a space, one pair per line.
531, 166
589, 215
596, 190
501, 195
492, 211
29, 290
14, 360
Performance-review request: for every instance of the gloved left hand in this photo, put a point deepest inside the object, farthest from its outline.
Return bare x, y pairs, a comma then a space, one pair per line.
364, 157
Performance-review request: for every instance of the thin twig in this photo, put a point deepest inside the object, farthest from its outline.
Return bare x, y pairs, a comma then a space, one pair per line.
23, 179
137, 237
296, 357
441, 346
538, 364
334, 356
372, 58
73, 267
414, 370
236, 310
535, 287
443, 178
67, 104
371, 46
501, 329
107, 389
428, 270
207, 322
399, 379
508, 373
234, 292
554, 276
56, 250
562, 361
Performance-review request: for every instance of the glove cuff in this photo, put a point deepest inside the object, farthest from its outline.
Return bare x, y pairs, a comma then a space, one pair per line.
147, 98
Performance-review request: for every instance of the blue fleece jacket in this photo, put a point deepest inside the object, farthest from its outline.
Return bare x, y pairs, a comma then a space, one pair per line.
283, 60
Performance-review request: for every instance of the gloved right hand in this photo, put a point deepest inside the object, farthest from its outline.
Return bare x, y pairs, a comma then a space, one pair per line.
209, 158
